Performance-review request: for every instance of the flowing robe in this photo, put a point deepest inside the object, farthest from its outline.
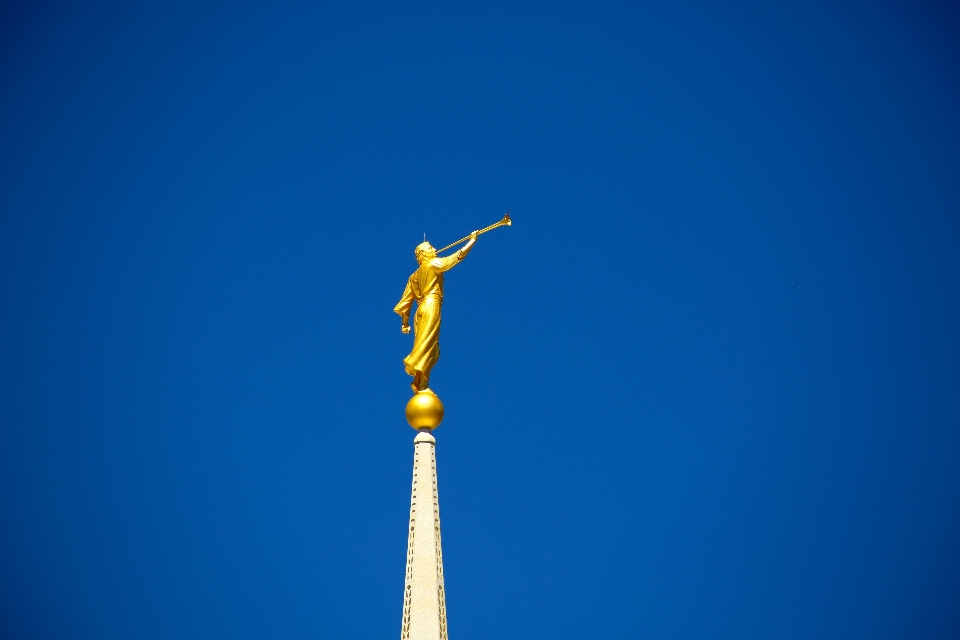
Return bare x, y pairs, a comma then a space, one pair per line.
425, 287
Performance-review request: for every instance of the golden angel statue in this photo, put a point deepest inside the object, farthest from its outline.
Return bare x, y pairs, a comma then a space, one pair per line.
425, 287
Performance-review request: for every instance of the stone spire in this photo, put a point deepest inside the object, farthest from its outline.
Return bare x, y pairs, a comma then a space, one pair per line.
424, 606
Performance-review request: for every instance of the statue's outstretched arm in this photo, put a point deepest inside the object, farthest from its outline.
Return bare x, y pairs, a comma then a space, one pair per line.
466, 248
449, 262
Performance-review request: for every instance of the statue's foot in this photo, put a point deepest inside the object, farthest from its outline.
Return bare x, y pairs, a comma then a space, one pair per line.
419, 382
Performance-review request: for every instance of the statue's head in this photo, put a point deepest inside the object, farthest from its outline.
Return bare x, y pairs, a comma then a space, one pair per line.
424, 251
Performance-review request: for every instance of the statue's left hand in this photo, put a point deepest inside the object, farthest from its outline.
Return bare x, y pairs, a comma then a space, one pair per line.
473, 236
405, 328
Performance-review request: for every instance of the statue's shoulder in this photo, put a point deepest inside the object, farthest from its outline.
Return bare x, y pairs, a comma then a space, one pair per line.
444, 263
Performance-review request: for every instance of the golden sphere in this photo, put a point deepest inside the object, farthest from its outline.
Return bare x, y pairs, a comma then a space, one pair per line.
424, 411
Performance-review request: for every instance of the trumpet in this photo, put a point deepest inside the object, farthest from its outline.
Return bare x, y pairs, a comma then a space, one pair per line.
505, 222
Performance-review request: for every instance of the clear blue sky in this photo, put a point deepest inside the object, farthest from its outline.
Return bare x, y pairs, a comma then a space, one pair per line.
707, 386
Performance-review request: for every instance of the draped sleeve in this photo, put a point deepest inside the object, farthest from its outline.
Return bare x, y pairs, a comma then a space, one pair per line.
406, 301
447, 263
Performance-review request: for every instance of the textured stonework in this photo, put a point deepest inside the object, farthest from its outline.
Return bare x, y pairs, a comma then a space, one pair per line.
424, 608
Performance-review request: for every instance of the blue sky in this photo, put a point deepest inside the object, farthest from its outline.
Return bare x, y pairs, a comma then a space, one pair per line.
707, 386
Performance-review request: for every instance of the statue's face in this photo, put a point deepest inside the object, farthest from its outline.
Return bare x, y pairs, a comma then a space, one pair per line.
425, 251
